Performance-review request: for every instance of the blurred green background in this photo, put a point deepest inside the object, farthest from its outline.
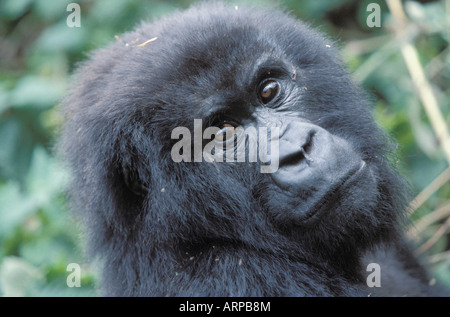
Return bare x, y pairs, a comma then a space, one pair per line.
38, 52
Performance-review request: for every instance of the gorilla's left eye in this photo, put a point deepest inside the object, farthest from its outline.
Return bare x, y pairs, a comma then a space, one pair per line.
268, 90
226, 132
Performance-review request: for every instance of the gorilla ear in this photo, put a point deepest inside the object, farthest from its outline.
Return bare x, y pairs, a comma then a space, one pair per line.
133, 182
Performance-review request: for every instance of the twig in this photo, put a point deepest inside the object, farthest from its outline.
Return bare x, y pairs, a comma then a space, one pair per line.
375, 61
430, 242
147, 42
447, 5
441, 180
419, 79
363, 46
438, 257
420, 225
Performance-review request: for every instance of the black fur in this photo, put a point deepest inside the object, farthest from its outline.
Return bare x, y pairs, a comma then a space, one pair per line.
199, 229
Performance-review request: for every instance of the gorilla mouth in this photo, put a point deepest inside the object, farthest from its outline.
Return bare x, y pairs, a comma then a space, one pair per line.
331, 196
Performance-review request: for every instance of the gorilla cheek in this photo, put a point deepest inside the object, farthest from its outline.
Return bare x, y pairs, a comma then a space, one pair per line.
317, 169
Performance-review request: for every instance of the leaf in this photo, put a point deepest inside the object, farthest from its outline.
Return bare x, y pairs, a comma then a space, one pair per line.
37, 92
59, 37
17, 276
13, 9
45, 180
50, 9
15, 148
14, 208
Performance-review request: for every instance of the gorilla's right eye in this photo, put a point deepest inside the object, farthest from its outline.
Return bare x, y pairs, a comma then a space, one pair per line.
268, 90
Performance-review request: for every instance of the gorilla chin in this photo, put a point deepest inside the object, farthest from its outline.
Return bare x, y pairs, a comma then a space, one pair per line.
181, 227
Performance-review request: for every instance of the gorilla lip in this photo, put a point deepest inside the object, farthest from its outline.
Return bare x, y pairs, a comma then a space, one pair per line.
329, 197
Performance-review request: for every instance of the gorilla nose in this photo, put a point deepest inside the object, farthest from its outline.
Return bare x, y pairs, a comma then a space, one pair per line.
311, 159
296, 142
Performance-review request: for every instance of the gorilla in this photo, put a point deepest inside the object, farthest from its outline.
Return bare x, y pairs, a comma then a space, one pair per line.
149, 120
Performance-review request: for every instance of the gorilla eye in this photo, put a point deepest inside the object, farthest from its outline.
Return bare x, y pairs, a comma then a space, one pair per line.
268, 90
226, 132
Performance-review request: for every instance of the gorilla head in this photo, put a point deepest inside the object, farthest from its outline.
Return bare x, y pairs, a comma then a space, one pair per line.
166, 219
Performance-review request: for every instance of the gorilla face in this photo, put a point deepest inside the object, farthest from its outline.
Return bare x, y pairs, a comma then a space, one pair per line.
150, 215
237, 75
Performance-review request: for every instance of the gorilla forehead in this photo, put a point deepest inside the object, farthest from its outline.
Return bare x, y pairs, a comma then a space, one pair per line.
206, 49
206, 58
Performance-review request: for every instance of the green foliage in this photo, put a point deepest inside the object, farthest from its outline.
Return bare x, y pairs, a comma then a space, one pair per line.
39, 51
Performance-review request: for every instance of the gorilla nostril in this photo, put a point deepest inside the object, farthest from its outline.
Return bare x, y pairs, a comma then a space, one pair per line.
306, 148
293, 152
309, 141
307, 157
293, 158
